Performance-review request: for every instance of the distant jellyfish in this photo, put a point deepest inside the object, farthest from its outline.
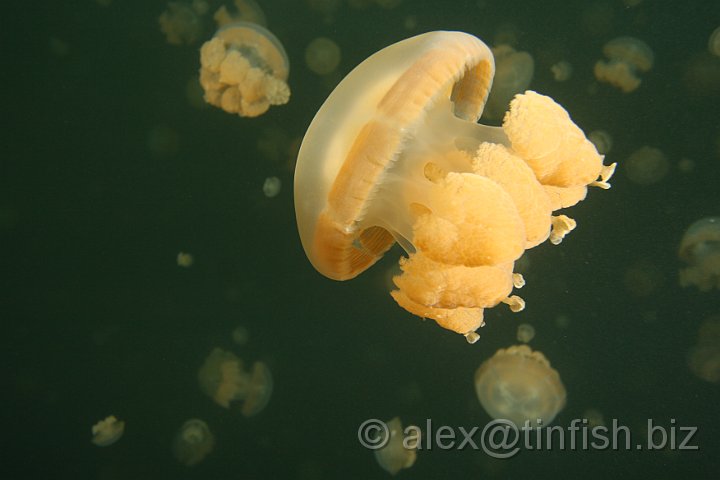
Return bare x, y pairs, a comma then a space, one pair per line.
513, 74
627, 56
646, 165
259, 390
714, 42
562, 71
244, 11
240, 335
594, 418
702, 75
244, 69
704, 357
182, 22
193, 442
643, 278
107, 431
322, 56
700, 250
519, 385
525, 332
222, 377
271, 187
602, 140
394, 457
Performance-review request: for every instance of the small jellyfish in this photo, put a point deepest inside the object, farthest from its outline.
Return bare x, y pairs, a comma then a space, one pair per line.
562, 71
700, 250
193, 442
626, 57
322, 56
185, 259
602, 140
395, 154
271, 187
646, 165
514, 72
182, 22
108, 431
259, 390
519, 385
525, 332
244, 69
643, 278
714, 42
394, 456
704, 357
240, 335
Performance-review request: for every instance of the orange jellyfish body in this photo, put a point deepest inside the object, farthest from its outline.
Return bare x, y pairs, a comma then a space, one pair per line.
395, 154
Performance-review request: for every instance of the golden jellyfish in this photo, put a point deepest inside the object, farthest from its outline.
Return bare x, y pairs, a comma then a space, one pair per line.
193, 442
399, 451
704, 358
395, 154
626, 57
223, 378
646, 165
561, 71
107, 431
700, 250
182, 22
602, 140
244, 69
513, 74
322, 56
525, 332
519, 385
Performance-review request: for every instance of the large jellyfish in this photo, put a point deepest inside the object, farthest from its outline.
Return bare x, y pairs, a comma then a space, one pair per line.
395, 154
700, 250
519, 385
626, 57
244, 69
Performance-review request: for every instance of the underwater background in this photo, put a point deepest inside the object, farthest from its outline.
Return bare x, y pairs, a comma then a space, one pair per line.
108, 172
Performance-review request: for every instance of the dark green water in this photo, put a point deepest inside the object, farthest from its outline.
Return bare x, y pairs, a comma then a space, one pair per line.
98, 319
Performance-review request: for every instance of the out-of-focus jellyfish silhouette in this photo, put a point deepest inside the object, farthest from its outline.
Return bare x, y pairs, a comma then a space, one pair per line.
700, 250
395, 154
223, 378
107, 431
394, 457
271, 187
244, 69
519, 385
513, 74
185, 259
525, 332
182, 22
714, 42
704, 358
245, 11
626, 57
193, 442
240, 335
562, 71
646, 165
643, 278
322, 56
602, 140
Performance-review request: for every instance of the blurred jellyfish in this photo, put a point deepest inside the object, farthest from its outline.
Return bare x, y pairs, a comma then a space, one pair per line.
394, 457
193, 442
182, 22
259, 390
244, 69
271, 187
519, 385
602, 140
322, 56
643, 278
594, 418
700, 250
626, 57
194, 93
562, 71
185, 259
108, 431
646, 165
704, 357
513, 74
245, 11
686, 165
702, 75
506, 34
240, 335
714, 42
525, 332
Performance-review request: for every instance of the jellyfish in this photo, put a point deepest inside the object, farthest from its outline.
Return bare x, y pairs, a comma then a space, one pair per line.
394, 456
223, 379
602, 140
562, 71
519, 385
700, 250
245, 11
626, 57
322, 56
704, 358
714, 42
647, 165
185, 259
395, 154
182, 22
525, 332
514, 72
244, 69
271, 187
193, 442
107, 431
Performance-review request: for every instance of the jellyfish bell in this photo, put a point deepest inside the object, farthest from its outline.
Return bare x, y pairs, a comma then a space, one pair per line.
395, 154
627, 57
222, 377
647, 165
394, 456
519, 385
107, 431
322, 56
244, 69
193, 442
259, 390
700, 250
